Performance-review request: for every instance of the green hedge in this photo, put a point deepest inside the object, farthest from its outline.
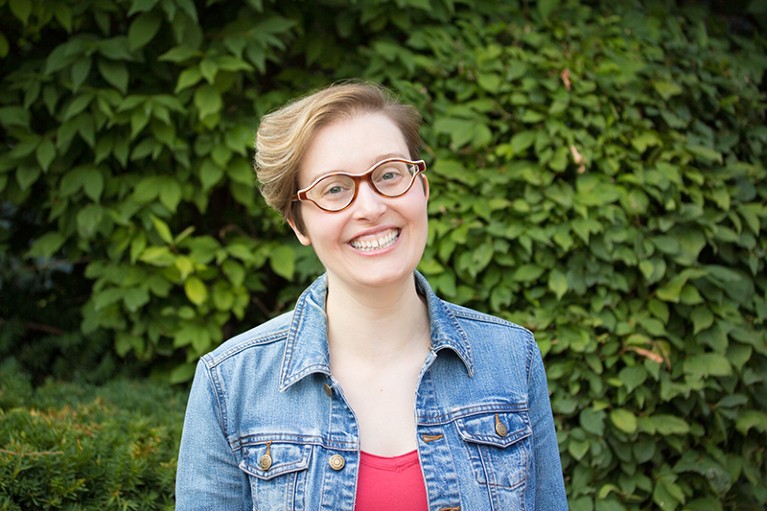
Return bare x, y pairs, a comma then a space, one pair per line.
598, 177
75, 446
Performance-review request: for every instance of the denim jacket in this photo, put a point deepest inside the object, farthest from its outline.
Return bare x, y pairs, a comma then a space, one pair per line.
268, 428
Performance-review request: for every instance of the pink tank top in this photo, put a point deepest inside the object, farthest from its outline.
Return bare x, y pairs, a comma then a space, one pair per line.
390, 484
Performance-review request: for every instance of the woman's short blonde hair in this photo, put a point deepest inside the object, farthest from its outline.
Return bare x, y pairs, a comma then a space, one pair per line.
285, 134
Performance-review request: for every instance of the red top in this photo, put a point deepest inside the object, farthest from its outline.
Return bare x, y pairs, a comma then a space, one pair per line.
390, 484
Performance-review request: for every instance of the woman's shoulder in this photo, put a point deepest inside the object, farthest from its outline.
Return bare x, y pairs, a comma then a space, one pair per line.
490, 331
483, 319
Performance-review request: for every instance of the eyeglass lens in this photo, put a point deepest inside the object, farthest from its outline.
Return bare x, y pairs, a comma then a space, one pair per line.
336, 191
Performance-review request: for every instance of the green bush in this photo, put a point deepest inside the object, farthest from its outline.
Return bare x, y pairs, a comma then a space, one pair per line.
596, 177
67, 446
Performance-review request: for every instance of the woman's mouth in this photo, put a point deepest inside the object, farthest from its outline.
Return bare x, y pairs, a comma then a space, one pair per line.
378, 241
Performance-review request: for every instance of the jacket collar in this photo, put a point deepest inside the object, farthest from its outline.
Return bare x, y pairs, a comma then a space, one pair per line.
306, 347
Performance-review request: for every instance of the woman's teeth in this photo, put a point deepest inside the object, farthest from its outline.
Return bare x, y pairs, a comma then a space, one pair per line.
384, 241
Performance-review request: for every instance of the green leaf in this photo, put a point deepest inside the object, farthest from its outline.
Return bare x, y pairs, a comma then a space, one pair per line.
93, 184
182, 373
282, 260
135, 298
707, 364
141, 6
195, 290
88, 220
162, 229
115, 48
521, 141
170, 194
143, 29
45, 153
624, 420
667, 89
751, 419
208, 101
77, 105
114, 73
558, 283
208, 70
46, 245
702, 318
546, 7
234, 272
644, 140
670, 425
632, 377
179, 54
187, 78
527, 273
147, 189
27, 175
14, 116
157, 256
578, 448
667, 494
672, 290
705, 153
593, 421
21, 9
80, 70
210, 174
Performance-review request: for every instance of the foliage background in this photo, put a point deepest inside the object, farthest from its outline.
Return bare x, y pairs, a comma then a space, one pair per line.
597, 176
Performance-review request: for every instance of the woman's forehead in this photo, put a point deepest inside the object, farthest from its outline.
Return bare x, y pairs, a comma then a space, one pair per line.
352, 145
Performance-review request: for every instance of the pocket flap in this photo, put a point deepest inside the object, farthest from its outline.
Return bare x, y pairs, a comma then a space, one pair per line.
496, 429
268, 461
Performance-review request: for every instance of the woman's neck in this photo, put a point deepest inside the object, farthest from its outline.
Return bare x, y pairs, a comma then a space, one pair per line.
376, 324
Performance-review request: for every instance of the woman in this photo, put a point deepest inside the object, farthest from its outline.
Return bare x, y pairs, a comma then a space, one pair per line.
372, 393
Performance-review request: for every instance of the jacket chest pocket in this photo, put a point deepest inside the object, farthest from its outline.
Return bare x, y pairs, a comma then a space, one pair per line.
499, 447
277, 474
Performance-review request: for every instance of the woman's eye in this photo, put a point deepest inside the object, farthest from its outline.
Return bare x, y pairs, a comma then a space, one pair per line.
334, 189
391, 174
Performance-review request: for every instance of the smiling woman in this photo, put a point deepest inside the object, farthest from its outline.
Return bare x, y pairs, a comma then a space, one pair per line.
372, 393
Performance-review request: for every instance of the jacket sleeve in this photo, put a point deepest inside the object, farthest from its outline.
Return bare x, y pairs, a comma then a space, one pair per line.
548, 489
208, 476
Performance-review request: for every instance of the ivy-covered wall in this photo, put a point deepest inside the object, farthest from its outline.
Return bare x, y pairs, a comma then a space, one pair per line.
597, 175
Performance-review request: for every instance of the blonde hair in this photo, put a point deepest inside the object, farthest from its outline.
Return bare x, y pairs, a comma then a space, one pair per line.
285, 134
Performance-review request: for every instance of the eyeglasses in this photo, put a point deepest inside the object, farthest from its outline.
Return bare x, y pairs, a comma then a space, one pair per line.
391, 177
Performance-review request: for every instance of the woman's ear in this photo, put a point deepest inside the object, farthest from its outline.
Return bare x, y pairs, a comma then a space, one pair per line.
302, 238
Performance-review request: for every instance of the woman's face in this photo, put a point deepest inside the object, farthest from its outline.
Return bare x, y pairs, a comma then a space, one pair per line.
377, 240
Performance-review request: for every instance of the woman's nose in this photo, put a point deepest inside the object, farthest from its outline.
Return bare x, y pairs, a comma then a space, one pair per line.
369, 203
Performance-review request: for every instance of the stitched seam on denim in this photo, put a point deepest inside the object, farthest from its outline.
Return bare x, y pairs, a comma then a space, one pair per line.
223, 417
213, 359
466, 313
450, 416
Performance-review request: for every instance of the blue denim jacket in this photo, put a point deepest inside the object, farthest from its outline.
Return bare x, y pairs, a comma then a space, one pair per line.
267, 427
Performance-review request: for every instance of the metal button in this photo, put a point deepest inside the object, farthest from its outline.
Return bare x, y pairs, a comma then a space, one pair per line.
500, 427
265, 462
328, 390
337, 462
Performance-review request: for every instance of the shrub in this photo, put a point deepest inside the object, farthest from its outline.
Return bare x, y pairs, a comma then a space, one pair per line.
596, 177
67, 446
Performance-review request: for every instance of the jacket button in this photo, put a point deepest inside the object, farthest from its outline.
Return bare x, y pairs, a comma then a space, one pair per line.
500, 427
265, 462
328, 390
337, 462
